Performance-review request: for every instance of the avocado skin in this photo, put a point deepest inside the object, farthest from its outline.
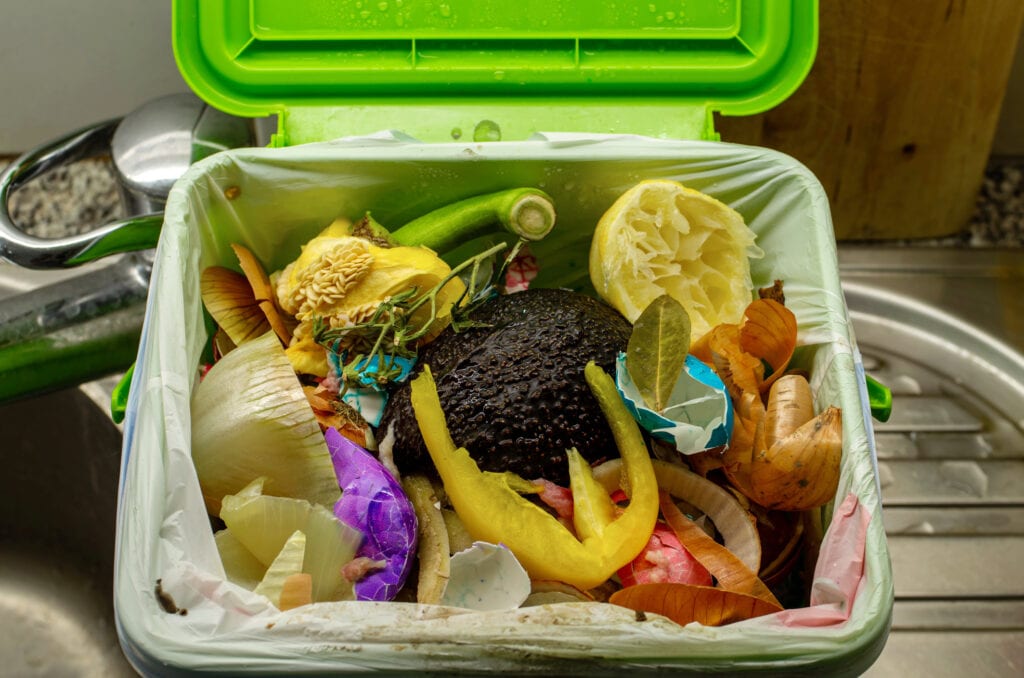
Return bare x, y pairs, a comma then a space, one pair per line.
513, 393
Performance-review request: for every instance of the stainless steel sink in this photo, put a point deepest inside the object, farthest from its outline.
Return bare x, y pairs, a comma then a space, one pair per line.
944, 329
58, 501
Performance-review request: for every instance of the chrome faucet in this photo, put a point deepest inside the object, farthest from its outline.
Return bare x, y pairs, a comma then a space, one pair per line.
88, 326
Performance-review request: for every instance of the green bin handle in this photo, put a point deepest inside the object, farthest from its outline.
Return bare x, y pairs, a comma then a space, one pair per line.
119, 397
879, 399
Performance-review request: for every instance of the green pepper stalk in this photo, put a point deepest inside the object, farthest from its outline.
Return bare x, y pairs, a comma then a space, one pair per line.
527, 213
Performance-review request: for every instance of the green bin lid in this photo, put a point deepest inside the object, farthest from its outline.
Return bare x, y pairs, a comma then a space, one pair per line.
493, 69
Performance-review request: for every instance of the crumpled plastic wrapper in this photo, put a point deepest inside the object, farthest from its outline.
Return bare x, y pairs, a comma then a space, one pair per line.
373, 502
698, 416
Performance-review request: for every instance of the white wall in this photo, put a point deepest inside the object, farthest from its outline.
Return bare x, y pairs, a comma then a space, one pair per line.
68, 63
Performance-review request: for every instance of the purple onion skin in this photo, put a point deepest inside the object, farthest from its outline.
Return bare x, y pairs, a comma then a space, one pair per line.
373, 502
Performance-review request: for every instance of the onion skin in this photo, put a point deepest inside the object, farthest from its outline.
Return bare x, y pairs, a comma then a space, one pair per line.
732, 574
801, 472
730, 518
262, 291
790, 406
769, 332
251, 419
783, 457
229, 299
296, 592
747, 439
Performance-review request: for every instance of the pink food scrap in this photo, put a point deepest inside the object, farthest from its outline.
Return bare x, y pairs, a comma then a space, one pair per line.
521, 271
664, 559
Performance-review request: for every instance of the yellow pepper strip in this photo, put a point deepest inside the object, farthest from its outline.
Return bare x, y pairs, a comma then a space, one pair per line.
592, 507
493, 511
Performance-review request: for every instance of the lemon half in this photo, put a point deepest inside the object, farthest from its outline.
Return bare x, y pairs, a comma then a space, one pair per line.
661, 237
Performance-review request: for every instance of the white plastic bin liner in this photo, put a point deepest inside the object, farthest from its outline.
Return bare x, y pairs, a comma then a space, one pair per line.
278, 199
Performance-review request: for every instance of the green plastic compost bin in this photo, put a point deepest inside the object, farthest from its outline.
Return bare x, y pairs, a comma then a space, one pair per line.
399, 107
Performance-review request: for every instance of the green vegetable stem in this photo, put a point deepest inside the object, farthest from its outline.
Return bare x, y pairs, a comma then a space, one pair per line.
528, 213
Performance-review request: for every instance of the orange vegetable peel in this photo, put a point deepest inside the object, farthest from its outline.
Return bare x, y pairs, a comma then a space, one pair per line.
740, 593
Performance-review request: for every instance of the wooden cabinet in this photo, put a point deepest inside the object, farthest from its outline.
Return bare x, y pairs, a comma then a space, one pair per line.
898, 113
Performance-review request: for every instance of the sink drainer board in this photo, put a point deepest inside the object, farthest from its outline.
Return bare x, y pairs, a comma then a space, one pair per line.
58, 500
951, 457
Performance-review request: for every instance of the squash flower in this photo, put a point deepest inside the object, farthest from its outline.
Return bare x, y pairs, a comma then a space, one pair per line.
342, 279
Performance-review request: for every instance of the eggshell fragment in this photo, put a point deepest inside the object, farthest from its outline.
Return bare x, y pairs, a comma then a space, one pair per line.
486, 577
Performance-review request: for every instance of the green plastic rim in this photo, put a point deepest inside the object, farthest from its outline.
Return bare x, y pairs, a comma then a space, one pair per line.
438, 69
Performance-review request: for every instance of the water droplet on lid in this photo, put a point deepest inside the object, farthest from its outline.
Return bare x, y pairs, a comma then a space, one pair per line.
499, 75
487, 130
445, 10
652, 7
365, 14
382, 5
670, 15
456, 132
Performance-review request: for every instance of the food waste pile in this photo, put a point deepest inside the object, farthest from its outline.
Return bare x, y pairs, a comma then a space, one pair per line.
378, 421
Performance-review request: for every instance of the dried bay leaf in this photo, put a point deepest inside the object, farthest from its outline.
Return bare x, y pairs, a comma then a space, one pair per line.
657, 350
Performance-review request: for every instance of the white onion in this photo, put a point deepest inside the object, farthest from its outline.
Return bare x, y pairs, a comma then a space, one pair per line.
250, 418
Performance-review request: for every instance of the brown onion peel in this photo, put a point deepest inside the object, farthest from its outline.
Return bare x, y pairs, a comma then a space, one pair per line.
229, 300
801, 472
790, 406
262, 291
686, 603
769, 332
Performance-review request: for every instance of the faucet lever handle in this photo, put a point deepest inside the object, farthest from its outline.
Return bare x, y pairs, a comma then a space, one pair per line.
18, 247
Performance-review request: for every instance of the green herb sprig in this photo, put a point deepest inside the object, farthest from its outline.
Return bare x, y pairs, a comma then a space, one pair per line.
391, 333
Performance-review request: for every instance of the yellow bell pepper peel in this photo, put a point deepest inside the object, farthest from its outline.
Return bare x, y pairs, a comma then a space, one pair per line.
492, 510
592, 507
626, 536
